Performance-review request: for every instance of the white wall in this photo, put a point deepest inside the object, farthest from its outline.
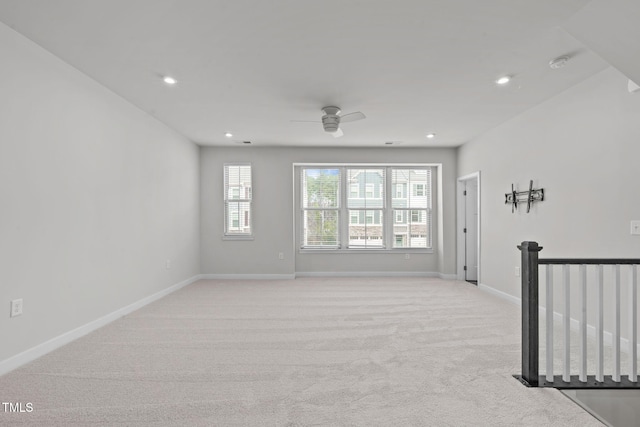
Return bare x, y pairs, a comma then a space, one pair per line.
273, 213
583, 148
95, 195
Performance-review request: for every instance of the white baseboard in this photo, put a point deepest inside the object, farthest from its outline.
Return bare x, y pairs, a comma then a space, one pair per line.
247, 276
40, 350
500, 294
557, 319
366, 274
327, 274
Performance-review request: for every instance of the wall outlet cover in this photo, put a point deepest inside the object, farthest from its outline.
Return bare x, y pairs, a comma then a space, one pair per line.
16, 307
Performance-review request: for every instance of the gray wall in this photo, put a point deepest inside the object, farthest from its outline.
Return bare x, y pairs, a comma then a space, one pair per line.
274, 213
582, 147
95, 197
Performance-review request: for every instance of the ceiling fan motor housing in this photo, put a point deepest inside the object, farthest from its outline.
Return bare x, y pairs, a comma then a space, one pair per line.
330, 123
331, 119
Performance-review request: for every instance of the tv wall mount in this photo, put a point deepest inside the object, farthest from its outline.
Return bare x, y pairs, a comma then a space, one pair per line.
530, 196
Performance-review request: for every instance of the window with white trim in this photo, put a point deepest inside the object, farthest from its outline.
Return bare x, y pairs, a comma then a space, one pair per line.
237, 199
320, 207
368, 232
365, 207
415, 208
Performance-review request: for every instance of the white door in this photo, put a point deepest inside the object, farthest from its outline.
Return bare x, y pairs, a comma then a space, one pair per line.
471, 229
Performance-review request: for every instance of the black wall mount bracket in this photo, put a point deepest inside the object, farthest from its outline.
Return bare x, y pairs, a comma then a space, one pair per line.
515, 197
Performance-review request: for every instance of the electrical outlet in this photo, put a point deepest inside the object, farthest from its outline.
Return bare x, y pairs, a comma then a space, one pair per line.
16, 307
407, 256
168, 264
280, 255
517, 271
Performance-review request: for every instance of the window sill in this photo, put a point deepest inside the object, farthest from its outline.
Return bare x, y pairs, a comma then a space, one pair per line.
240, 237
367, 251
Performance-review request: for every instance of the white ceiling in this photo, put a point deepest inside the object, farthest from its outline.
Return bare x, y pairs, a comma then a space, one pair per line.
250, 67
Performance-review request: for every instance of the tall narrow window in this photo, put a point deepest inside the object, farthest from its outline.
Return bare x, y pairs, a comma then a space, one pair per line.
320, 205
415, 208
237, 199
370, 232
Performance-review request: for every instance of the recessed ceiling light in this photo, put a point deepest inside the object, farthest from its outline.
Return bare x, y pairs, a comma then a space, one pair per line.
169, 80
228, 134
503, 80
431, 135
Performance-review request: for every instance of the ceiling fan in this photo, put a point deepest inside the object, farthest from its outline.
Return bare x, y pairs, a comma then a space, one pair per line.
331, 120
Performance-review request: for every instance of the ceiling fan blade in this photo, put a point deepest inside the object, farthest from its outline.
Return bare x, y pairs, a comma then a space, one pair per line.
305, 121
352, 117
337, 134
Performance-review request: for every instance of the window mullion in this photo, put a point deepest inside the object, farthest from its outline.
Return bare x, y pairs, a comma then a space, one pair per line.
388, 209
343, 212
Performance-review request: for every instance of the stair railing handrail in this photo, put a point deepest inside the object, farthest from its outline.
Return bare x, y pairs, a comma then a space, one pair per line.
530, 262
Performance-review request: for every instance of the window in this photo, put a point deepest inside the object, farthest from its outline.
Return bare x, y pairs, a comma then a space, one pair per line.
369, 190
237, 200
373, 207
415, 208
320, 208
367, 233
369, 215
354, 190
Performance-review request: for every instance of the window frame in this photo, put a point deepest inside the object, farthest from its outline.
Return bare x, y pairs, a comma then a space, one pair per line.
388, 238
338, 202
242, 218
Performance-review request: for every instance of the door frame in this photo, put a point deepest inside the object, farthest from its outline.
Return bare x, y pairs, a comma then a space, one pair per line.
460, 221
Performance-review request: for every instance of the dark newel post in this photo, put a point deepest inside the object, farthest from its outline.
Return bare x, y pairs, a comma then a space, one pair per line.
529, 252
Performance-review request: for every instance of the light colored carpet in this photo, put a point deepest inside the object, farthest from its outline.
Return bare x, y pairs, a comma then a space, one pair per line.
304, 352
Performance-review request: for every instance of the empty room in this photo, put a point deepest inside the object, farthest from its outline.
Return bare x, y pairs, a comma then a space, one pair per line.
340, 213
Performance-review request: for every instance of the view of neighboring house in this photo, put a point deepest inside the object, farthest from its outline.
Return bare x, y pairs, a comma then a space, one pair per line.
368, 210
238, 199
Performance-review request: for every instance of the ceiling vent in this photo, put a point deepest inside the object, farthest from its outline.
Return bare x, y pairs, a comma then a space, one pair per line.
559, 62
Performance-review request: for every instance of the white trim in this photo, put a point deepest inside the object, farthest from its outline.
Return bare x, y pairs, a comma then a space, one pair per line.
40, 350
327, 274
367, 274
408, 165
386, 251
243, 276
238, 237
500, 294
557, 318
226, 235
460, 217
